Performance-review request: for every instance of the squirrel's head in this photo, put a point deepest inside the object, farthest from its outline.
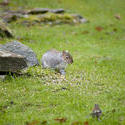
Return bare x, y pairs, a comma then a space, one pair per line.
67, 57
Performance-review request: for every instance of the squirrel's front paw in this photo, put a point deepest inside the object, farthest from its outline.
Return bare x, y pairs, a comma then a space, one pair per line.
62, 72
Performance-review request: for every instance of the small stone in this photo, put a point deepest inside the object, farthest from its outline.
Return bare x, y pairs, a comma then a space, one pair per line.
79, 18
83, 20
11, 102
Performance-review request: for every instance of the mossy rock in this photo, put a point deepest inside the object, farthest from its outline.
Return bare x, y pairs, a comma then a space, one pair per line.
50, 17
42, 16
5, 31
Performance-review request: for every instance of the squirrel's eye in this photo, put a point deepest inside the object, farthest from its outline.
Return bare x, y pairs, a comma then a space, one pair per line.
67, 57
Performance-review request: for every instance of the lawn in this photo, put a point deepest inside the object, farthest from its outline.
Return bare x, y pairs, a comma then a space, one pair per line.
97, 75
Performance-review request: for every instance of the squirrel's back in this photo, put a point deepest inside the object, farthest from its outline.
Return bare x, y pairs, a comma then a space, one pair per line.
56, 60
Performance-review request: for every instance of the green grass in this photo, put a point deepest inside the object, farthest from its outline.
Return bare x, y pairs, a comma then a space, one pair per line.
96, 76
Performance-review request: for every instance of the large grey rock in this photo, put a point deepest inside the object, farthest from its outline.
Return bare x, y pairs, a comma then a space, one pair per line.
38, 11
57, 10
11, 62
45, 10
41, 16
19, 48
9, 16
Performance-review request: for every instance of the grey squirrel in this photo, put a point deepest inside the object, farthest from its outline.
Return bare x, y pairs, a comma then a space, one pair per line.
56, 60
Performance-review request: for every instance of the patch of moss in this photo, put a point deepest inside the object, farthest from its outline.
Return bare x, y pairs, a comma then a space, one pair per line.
29, 18
62, 18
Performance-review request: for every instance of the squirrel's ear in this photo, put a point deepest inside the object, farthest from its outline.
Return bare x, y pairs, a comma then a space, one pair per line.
63, 51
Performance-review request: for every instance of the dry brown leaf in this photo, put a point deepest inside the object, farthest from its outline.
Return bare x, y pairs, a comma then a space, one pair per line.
35, 122
61, 120
86, 123
99, 28
117, 16
115, 30
44, 122
85, 32
4, 3
77, 123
